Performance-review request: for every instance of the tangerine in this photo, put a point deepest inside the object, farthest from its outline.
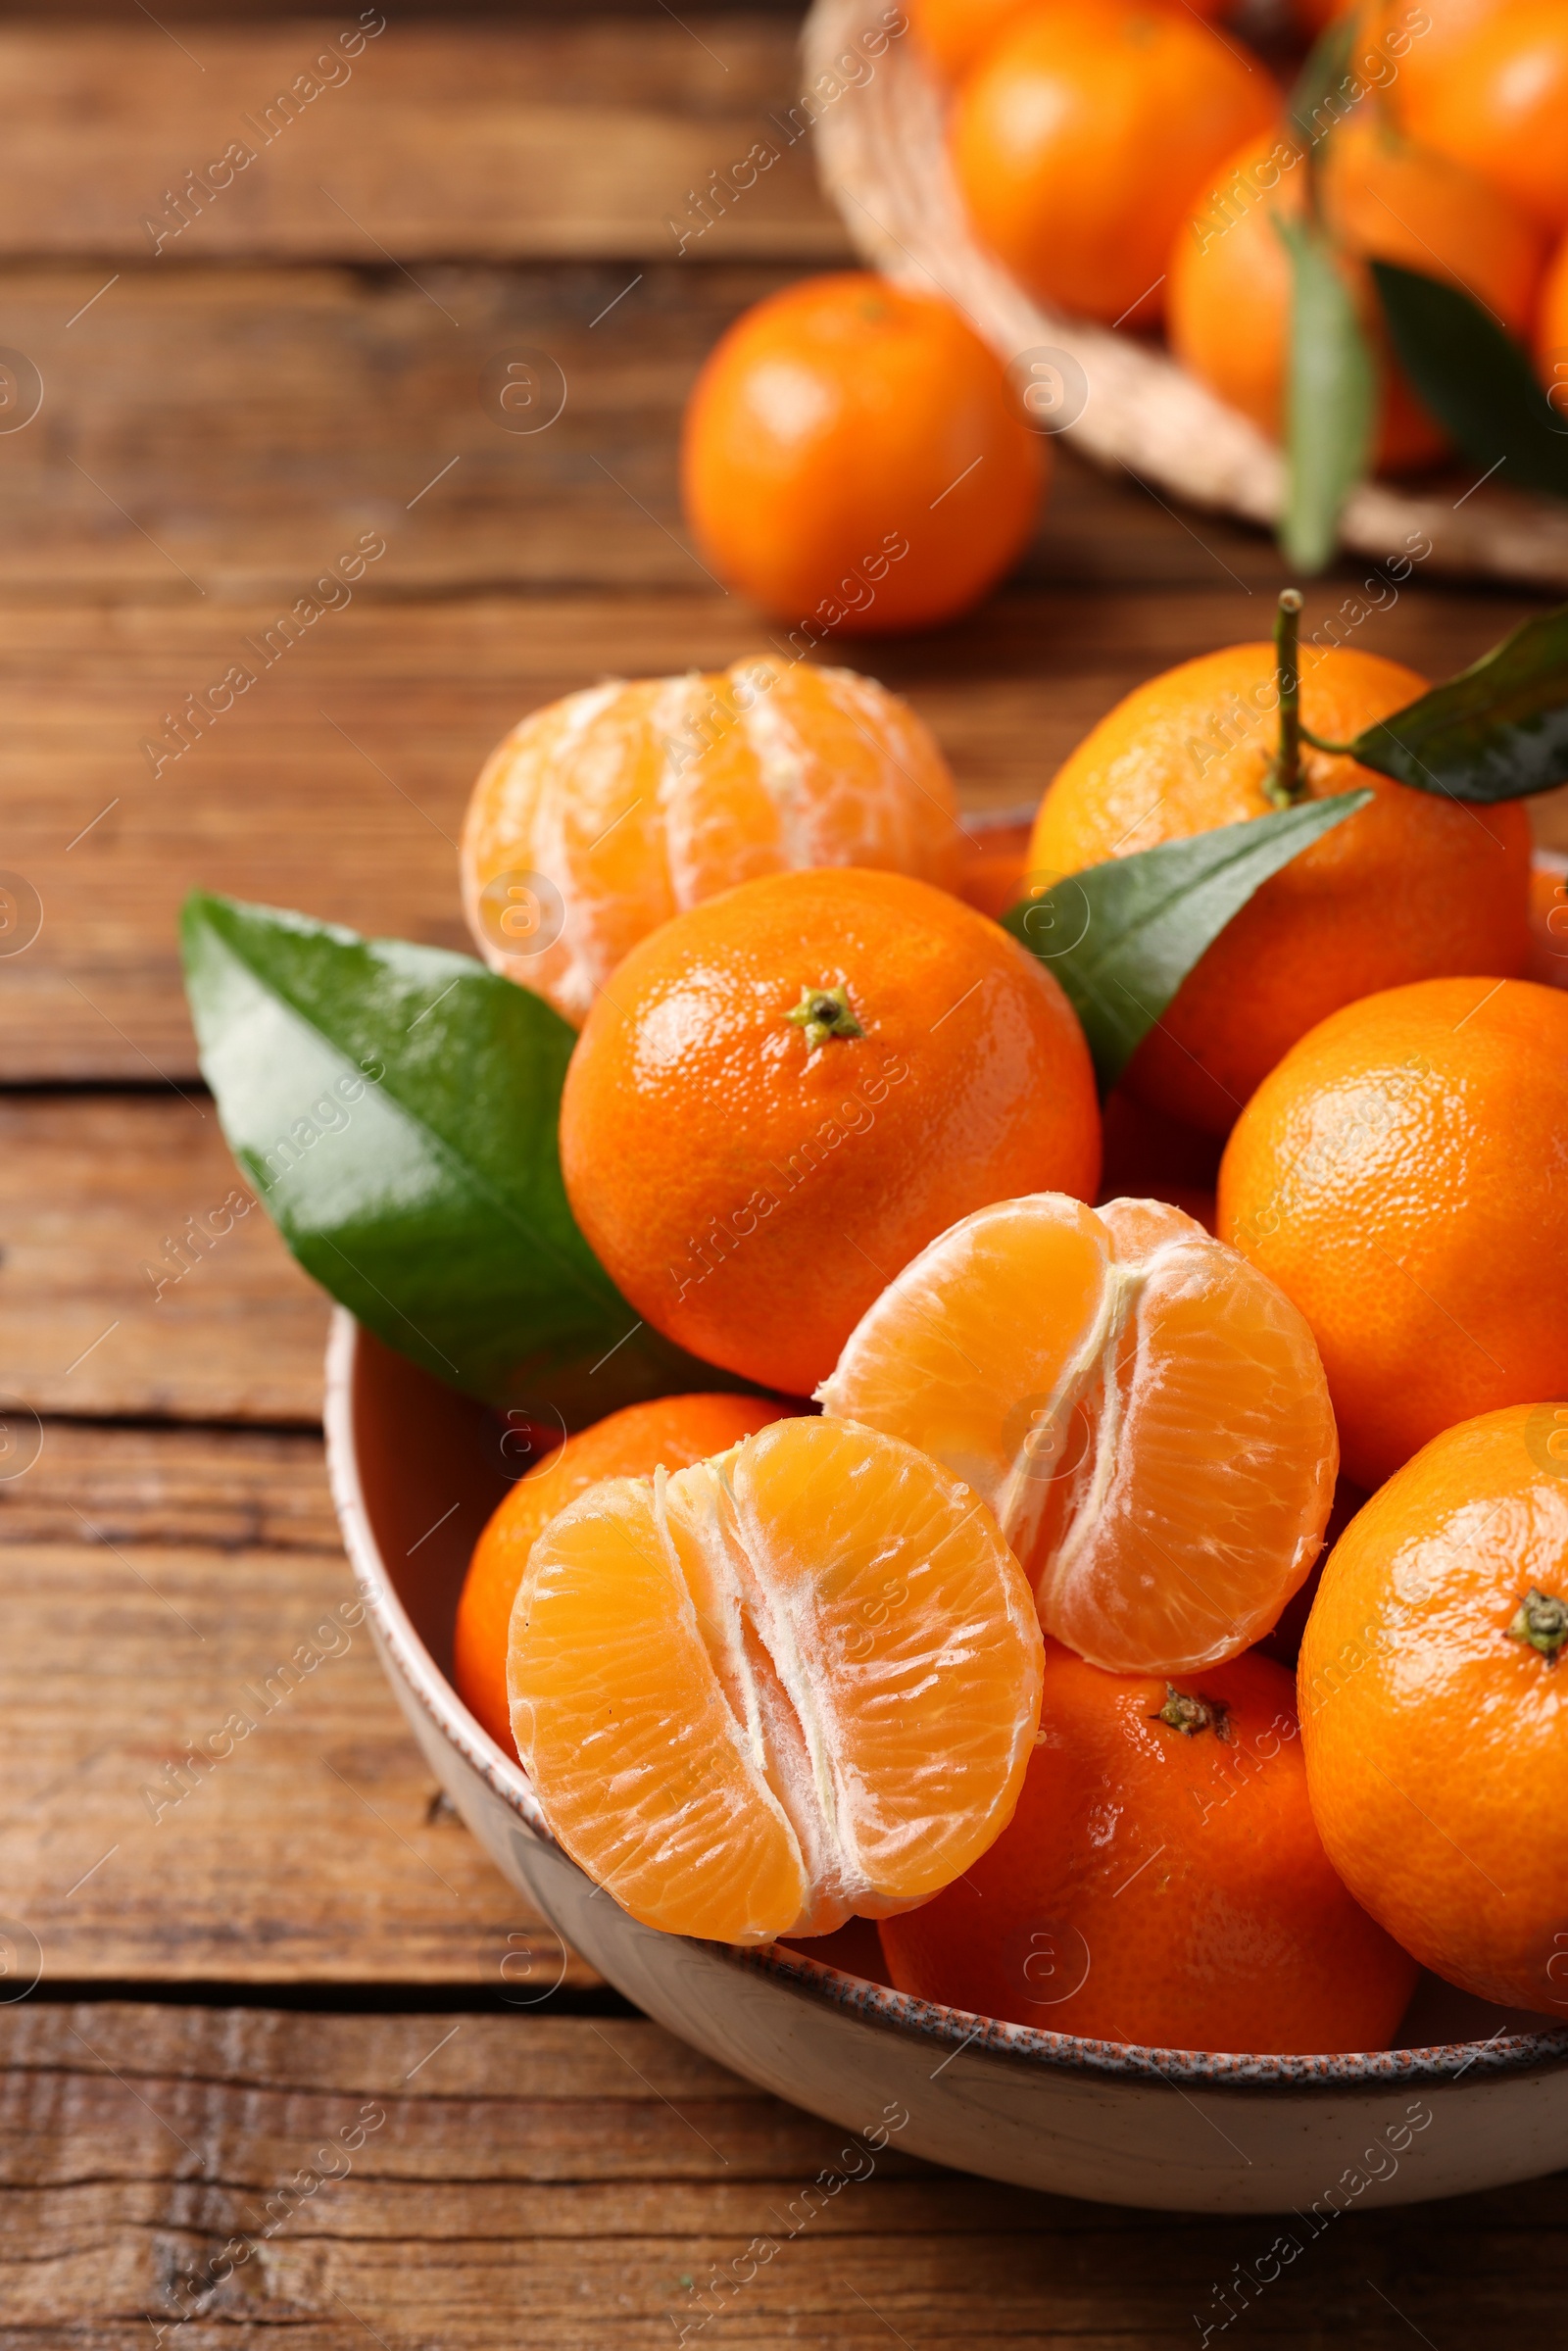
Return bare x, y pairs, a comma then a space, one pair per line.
1161, 1881
1145, 1414
1079, 140
1400, 1176
1384, 199
788, 1090
1495, 99
1433, 1710
852, 459
794, 1683
670, 1433
1411, 886
1551, 336
1549, 920
957, 33
605, 814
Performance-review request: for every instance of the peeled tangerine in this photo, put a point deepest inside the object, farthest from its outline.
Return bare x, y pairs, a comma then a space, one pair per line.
795, 1683
601, 816
1143, 1411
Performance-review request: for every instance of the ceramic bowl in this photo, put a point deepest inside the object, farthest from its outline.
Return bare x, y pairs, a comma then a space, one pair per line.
1472, 2098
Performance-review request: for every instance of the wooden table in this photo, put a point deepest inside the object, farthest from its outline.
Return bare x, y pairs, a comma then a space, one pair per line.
308, 1938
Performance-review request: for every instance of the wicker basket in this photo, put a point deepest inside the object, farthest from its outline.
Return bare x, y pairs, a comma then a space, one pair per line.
884, 162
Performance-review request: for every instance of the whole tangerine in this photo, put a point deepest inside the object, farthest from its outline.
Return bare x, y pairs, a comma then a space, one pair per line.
1079, 140
1384, 198
603, 815
1495, 98
852, 459
1403, 1175
670, 1433
957, 33
1410, 887
1161, 1881
788, 1090
1434, 1712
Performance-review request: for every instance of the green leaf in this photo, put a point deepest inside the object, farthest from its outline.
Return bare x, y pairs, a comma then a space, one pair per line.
1498, 731
1316, 102
1475, 379
1330, 398
395, 1108
1122, 937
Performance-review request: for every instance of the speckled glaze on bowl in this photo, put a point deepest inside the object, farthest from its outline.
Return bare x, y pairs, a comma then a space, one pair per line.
1479, 2097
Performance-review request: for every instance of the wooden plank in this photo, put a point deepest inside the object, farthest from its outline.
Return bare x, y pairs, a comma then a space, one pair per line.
549, 139
231, 1489
337, 783
139, 1278
160, 1590
220, 433
36, 13
213, 433
571, 2184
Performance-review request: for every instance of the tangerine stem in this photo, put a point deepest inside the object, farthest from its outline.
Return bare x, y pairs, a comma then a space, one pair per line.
1189, 1714
1541, 1622
1282, 787
824, 1012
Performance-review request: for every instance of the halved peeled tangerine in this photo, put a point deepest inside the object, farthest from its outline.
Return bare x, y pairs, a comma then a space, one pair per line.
1143, 1411
795, 1683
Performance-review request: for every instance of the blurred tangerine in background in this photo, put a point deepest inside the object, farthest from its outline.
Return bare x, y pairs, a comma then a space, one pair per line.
852, 458
957, 33
1385, 198
1548, 919
1080, 137
1494, 96
1551, 335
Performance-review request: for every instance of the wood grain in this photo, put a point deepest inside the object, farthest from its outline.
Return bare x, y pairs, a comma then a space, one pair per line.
221, 420
571, 2184
156, 1587
220, 433
547, 139
136, 1281
337, 783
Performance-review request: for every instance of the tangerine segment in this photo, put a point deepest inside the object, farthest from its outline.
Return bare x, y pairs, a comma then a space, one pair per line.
791, 1683
922, 1371
670, 1431
1217, 1419
641, 1767
1148, 1420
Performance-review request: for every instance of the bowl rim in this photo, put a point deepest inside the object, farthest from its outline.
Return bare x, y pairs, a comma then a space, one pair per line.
1508, 2051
